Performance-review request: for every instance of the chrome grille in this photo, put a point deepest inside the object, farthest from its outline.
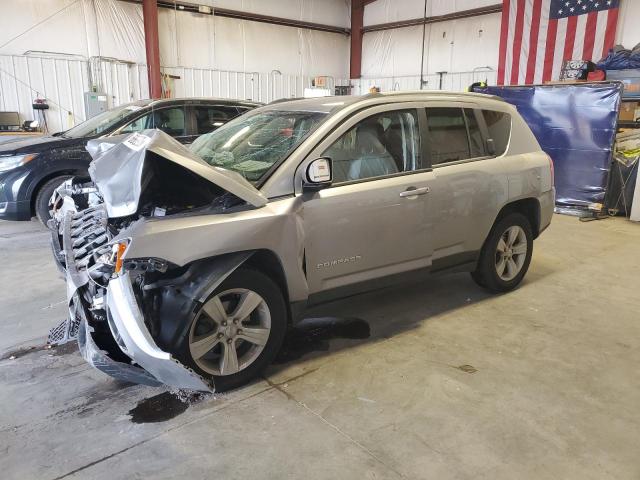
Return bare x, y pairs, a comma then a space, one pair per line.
88, 237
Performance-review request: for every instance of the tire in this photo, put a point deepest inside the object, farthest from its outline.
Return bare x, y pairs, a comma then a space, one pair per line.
41, 204
243, 284
502, 265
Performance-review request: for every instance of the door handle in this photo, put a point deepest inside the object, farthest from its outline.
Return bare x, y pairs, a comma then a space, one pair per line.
413, 191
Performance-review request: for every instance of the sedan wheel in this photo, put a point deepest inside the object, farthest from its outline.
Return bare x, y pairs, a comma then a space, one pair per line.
511, 253
230, 332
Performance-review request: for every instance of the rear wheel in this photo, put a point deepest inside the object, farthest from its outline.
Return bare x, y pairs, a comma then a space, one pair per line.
41, 204
506, 254
237, 331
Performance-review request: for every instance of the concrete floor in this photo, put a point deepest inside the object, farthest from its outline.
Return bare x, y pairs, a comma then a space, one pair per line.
452, 383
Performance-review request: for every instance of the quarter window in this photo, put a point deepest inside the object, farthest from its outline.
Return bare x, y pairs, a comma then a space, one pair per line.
380, 145
499, 126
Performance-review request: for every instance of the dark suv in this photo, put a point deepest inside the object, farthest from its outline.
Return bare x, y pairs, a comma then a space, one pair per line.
30, 169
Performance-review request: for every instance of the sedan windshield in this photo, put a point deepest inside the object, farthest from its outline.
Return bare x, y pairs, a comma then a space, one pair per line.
251, 145
101, 122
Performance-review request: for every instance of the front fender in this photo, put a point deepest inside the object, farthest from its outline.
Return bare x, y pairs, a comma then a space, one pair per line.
184, 239
169, 303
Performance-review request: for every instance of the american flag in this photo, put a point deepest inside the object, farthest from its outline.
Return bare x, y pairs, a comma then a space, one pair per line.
538, 35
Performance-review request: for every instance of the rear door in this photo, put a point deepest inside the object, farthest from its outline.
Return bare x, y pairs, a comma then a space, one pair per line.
469, 187
373, 221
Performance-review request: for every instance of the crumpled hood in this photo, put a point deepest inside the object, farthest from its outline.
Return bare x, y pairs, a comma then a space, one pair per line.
118, 166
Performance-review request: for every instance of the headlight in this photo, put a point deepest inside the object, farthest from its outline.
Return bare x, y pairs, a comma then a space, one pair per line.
9, 163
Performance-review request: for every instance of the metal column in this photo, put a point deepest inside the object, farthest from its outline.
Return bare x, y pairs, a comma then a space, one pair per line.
150, 16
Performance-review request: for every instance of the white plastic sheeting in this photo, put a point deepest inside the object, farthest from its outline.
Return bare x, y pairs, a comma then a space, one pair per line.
384, 11
628, 33
114, 29
75, 45
329, 12
391, 58
228, 44
452, 46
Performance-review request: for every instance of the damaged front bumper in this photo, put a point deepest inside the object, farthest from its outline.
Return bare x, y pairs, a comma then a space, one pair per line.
117, 343
131, 334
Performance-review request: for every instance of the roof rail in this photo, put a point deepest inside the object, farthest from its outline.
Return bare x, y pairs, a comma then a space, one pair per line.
433, 92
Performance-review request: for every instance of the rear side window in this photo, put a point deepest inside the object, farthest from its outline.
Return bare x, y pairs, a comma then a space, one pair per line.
208, 118
499, 126
169, 120
448, 141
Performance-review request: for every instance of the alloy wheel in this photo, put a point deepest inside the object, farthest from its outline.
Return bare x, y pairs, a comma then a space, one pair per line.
230, 331
511, 253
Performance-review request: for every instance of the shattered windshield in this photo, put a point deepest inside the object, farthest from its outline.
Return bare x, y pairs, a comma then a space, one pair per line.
251, 145
101, 122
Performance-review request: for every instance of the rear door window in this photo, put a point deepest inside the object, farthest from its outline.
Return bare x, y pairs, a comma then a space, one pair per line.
476, 140
448, 140
208, 118
499, 127
169, 120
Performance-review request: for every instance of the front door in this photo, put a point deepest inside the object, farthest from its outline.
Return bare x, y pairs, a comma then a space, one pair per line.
373, 221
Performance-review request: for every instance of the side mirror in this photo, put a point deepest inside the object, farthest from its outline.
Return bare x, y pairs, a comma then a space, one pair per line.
491, 146
318, 175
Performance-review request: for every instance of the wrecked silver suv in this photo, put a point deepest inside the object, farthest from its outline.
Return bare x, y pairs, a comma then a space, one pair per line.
192, 265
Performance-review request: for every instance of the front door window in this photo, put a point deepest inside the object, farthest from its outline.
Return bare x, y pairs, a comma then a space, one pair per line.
380, 145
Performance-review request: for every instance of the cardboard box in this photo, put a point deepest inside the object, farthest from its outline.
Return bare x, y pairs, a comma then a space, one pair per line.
629, 111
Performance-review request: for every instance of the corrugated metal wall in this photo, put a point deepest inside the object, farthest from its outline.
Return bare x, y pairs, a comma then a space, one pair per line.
63, 81
454, 81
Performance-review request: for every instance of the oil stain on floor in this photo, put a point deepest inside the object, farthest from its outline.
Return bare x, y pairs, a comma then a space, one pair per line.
158, 408
165, 406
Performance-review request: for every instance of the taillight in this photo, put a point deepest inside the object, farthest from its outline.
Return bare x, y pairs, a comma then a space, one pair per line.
553, 177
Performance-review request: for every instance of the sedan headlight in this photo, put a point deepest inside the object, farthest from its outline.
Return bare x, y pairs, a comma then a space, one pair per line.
14, 161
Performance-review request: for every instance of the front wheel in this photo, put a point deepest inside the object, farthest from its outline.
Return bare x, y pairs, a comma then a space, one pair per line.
237, 331
506, 254
43, 197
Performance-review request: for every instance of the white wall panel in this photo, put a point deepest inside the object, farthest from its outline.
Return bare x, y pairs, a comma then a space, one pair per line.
392, 52
329, 12
120, 30
62, 32
385, 11
464, 44
101, 43
452, 46
628, 33
186, 38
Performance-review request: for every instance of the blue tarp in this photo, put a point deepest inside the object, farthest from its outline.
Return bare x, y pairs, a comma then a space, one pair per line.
576, 126
620, 58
